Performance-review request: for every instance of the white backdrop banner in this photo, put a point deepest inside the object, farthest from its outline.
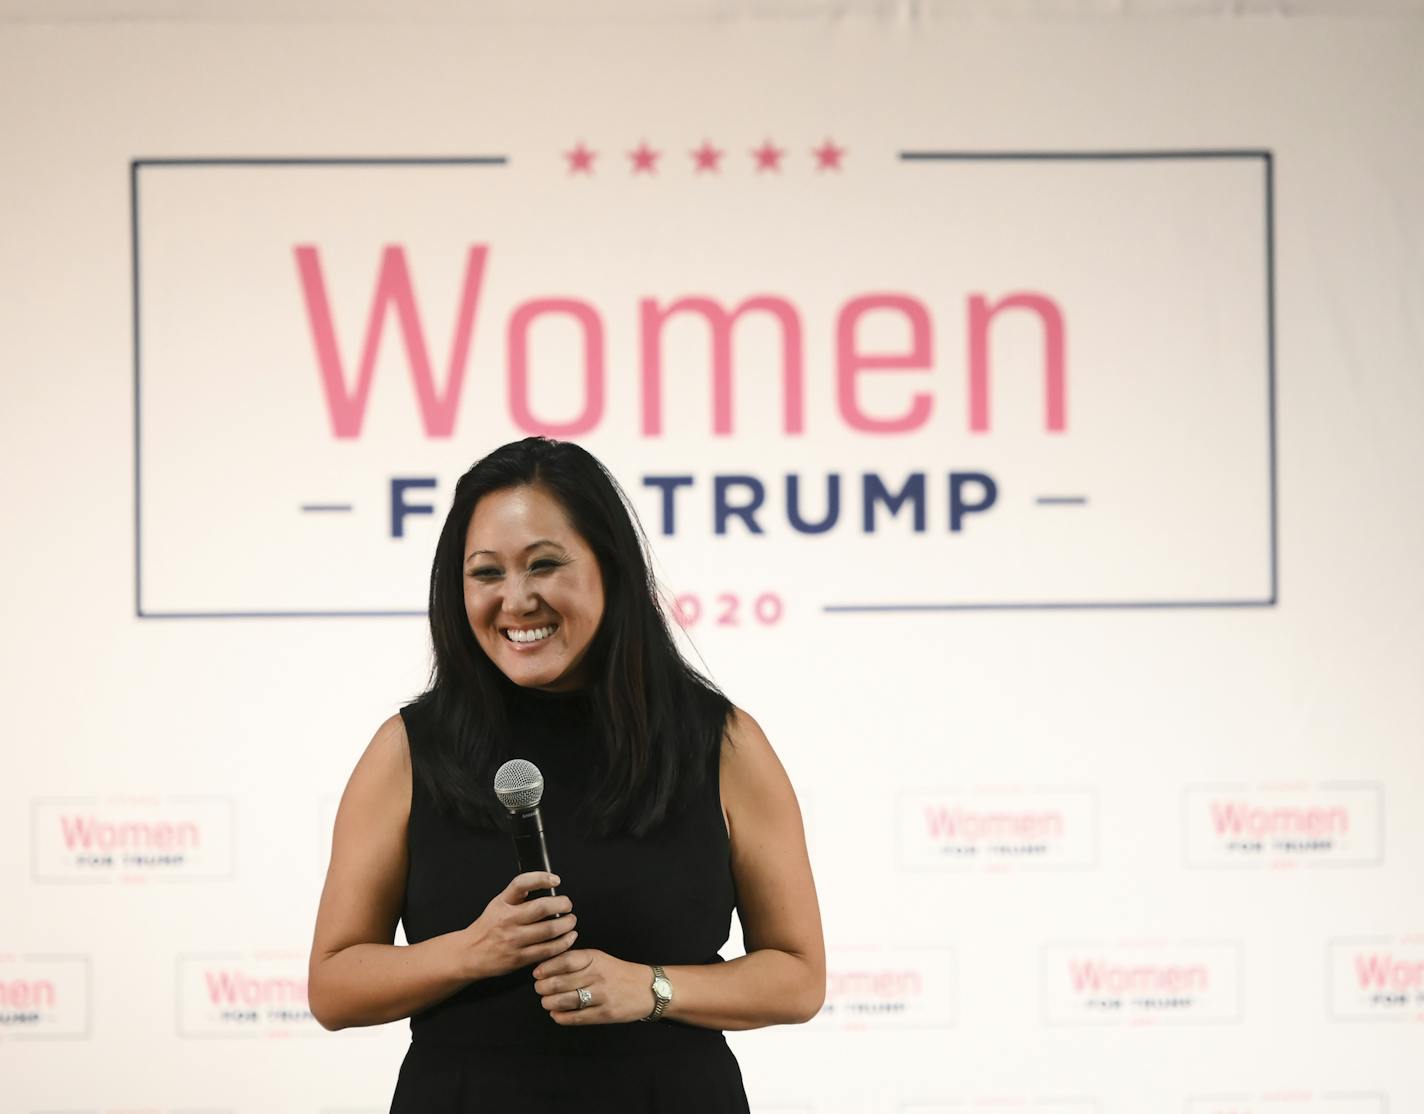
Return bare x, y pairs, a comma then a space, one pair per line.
1024, 413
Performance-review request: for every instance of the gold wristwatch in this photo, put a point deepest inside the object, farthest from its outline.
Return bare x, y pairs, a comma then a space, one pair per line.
662, 993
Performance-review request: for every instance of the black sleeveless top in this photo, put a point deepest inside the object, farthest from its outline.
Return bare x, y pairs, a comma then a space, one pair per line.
664, 898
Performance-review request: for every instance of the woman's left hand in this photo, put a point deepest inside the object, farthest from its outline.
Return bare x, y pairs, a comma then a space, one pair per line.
619, 991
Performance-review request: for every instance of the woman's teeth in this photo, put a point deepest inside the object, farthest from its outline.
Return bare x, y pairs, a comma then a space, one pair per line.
529, 635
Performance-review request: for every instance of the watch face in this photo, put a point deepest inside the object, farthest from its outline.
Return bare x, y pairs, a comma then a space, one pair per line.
662, 988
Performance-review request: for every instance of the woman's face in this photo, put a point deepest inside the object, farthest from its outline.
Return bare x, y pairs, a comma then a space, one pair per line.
533, 590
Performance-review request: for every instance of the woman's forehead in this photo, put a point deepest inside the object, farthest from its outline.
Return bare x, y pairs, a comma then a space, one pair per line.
518, 518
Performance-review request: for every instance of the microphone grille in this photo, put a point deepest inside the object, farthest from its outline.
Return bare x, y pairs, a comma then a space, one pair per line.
519, 785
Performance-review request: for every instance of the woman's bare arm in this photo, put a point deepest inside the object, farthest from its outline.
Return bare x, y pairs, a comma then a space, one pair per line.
782, 978
357, 976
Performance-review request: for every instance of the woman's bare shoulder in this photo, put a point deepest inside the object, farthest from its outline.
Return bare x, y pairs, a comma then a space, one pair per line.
750, 767
390, 742
743, 733
383, 773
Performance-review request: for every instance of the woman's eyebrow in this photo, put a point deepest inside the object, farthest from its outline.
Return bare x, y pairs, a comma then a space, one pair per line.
526, 549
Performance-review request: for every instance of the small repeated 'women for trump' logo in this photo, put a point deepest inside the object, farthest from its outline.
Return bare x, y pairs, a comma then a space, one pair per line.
999, 829
1376, 978
1284, 825
244, 995
131, 839
1138, 984
890, 988
44, 996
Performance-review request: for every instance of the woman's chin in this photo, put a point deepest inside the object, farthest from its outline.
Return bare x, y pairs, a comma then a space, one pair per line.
533, 674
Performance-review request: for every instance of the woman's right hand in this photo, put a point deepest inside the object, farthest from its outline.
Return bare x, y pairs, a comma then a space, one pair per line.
512, 933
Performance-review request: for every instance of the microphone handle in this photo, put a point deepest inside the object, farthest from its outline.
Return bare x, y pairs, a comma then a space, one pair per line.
530, 850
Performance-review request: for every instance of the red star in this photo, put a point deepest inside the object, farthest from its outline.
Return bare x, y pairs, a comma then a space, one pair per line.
580, 159
645, 159
707, 157
828, 156
768, 157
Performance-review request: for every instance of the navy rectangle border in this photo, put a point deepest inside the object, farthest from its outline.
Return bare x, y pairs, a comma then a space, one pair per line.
910, 156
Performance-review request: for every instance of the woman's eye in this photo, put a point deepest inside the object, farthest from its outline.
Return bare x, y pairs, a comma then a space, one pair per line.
485, 573
537, 565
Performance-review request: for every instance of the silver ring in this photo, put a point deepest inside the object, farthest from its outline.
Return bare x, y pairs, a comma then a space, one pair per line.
585, 997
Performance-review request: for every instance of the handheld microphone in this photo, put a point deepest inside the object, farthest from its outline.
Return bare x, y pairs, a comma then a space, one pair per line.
520, 787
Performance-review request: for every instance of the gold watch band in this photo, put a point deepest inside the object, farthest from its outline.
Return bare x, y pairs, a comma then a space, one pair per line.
660, 1001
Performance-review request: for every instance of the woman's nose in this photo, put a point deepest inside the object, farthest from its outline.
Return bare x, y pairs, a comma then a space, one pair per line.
519, 597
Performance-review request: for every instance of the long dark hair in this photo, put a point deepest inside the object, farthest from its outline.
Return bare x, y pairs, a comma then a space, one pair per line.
659, 721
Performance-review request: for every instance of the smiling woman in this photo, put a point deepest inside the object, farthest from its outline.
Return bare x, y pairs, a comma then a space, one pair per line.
534, 606
665, 809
